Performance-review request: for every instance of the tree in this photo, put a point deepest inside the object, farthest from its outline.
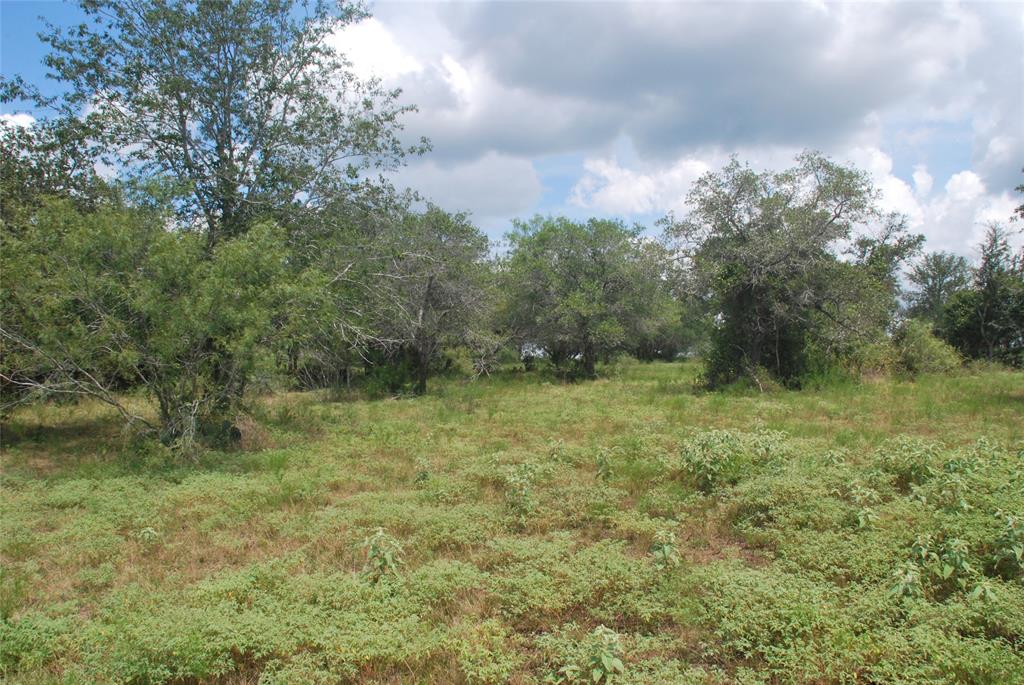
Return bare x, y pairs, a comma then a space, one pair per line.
246, 104
669, 326
576, 289
987, 320
45, 159
760, 250
936, 277
92, 297
243, 115
437, 291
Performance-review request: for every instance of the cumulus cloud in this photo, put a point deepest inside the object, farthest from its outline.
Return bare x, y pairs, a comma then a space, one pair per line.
922, 180
374, 51
743, 73
610, 188
489, 187
20, 120
954, 218
922, 95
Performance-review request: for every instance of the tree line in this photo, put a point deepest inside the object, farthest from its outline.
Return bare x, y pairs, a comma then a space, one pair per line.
243, 235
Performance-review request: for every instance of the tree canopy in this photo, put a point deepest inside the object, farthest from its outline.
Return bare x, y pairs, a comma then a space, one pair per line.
245, 104
761, 250
575, 289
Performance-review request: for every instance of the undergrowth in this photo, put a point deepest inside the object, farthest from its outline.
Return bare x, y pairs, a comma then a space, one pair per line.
626, 530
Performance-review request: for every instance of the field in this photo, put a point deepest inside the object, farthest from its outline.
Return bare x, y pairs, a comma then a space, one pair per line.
629, 530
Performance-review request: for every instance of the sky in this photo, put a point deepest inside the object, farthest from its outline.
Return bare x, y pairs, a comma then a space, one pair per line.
613, 109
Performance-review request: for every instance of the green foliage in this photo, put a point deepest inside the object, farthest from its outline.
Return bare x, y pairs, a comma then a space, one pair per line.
93, 299
715, 459
519, 493
910, 461
210, 116
664, 550
919, 351
383, 556
936, 277
597, 660
1009, 546
782, 583
984, 320
761, 246
605, 660
577, 290
603, 462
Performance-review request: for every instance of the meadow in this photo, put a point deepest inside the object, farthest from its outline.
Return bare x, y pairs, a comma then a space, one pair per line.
630, 529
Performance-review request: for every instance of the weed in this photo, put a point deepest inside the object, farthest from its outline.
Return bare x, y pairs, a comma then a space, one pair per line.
602, 662
1009, 546
383, 557
664, 550
829, 534
148, 536
906, 581
519, 496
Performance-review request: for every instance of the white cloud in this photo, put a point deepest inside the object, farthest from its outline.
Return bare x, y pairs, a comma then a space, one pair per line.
489, 187
922, 180
906, 91
896, 195
953, 219
964, 186
374, 51
458, 79
20, 120
611, 188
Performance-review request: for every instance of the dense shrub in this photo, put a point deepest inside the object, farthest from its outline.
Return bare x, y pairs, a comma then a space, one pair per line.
918, 350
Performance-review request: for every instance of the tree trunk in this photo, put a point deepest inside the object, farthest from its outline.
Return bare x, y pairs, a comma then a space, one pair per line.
422, 369
589, 361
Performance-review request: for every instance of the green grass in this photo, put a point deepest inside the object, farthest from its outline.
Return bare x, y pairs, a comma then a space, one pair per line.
854, 534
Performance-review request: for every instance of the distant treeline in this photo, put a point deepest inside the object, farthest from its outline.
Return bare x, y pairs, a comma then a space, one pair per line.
244, 236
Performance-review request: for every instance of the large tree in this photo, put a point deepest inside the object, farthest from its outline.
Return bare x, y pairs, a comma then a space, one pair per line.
93, 299
576, 289
936, 278
435, 289
986, 320
246, 104
760, 248
242, 114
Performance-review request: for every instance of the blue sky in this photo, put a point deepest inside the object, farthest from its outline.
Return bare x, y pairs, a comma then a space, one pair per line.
613, 109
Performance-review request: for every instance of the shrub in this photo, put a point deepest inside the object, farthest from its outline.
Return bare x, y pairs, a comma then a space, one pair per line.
716, 458
383, 556
519, 497
909, 460
113, 297
664, 550
598, 659
918, 350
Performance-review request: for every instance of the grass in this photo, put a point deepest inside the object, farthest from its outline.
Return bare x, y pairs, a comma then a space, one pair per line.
859, 533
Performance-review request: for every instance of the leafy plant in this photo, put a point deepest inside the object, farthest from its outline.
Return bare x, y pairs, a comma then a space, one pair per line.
712, 459
664, 550
909, 460
383, 556
906, 581
605, 655
1009, 546
422, 471
519, 497
148, 536
602, 660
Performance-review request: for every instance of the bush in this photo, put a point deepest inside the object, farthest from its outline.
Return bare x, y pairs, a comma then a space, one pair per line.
113, 295
917, 350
